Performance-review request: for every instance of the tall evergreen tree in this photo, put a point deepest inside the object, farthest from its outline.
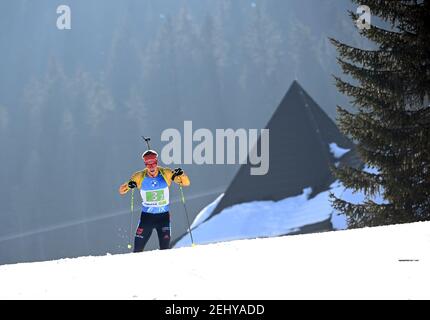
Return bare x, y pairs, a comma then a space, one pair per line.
391, 125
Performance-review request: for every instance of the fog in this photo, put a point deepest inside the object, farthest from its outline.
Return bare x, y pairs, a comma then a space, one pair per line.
75, 103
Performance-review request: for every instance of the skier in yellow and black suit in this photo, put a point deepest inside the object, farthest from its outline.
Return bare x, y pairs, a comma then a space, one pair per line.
153, 183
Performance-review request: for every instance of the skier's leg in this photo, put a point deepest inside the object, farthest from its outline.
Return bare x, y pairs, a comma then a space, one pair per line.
163, 230
143, 232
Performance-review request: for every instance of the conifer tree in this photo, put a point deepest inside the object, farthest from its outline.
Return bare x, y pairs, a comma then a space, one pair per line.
392, 118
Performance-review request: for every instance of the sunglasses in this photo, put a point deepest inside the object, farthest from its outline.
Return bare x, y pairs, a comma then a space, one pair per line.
151, 163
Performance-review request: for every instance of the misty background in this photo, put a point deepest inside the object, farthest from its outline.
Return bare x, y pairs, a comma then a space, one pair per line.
74, 103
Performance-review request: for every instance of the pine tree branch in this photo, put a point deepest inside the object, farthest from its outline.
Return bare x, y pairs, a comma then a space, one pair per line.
367, 214
374, 59
388, 40
364, 98
391, 81
359, 180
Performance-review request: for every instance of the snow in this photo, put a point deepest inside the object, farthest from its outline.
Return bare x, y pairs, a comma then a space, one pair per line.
337, 151
259, 219
372, 170
206, 212
372, 263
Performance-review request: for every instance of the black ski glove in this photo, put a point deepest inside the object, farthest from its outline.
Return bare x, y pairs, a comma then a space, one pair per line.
132, 184
177, 172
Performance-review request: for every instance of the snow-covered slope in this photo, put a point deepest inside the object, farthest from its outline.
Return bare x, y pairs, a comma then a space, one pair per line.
270, 218
385, 262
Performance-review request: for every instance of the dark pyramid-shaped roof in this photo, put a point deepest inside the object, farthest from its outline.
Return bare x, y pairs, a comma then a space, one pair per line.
300, 134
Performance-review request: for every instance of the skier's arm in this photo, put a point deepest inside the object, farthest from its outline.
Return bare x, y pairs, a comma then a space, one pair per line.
123, 189
182, 180
136, 177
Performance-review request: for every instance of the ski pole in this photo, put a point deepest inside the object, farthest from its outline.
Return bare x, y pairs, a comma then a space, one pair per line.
186, 213
147, 139
131, 218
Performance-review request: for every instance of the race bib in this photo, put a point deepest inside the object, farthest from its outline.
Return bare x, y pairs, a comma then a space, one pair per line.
156, 198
